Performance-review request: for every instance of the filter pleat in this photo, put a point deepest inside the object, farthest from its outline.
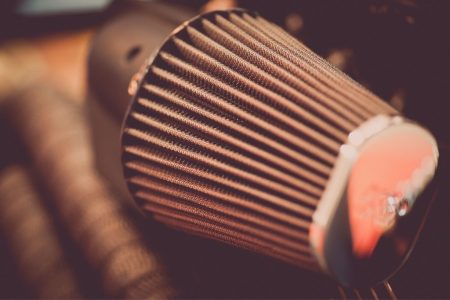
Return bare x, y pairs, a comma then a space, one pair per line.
177, 192
216, 68
344, 83
242, 228
284, 72
253, 106
234, 133
213, 133
227, 196
232, 157
258, 124
295, 67
295, 161
263, 76
219, 179
235, 241
205, 160
221, 228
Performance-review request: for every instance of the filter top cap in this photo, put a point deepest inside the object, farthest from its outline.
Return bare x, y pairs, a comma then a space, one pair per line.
376, 201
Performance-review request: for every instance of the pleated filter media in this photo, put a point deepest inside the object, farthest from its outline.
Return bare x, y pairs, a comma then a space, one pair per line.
235, 133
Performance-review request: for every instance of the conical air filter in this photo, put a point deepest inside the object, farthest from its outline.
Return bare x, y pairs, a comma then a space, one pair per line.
240, 133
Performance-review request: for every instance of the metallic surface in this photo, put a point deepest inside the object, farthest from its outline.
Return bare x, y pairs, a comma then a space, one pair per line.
118, 49
234, 132
358, 230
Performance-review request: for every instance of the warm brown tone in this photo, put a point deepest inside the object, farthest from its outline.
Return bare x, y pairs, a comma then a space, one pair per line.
235, 130
31, 235
54, 134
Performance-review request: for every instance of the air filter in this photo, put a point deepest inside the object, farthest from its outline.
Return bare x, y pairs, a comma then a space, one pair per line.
238, 132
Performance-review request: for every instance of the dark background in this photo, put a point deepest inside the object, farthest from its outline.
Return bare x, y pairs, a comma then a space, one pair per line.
398, 49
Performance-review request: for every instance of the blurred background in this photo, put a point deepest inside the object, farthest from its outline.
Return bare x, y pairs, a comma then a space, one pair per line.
67, 229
